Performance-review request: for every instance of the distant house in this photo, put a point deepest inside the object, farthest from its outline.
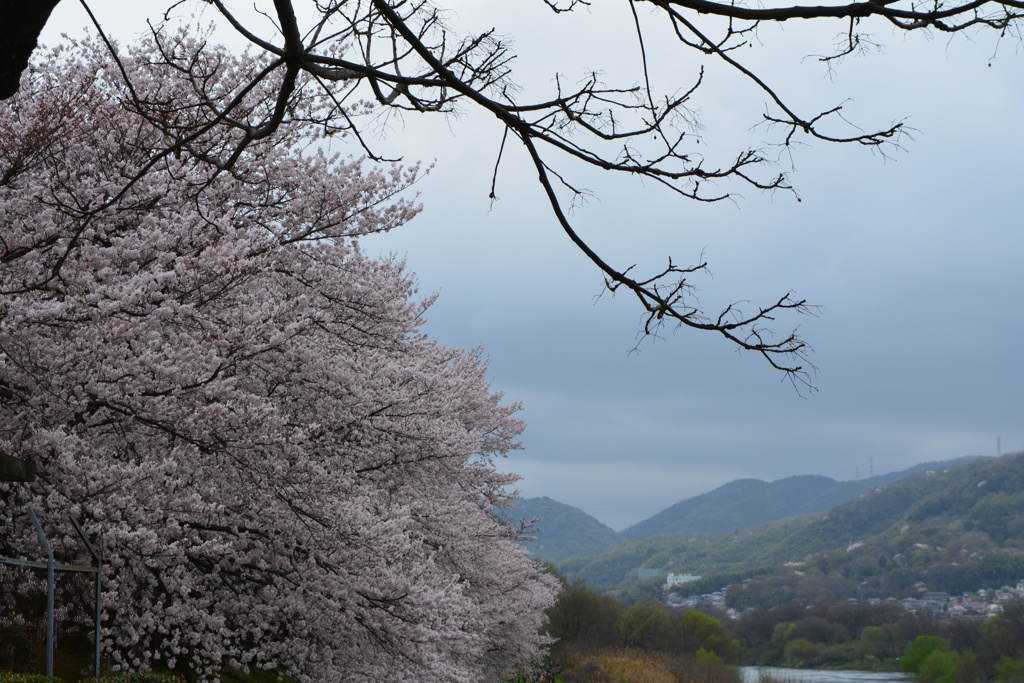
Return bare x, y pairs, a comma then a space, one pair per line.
935, 601
676, 579
910, 604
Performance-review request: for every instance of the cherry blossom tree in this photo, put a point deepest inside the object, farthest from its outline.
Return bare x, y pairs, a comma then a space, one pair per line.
282, 471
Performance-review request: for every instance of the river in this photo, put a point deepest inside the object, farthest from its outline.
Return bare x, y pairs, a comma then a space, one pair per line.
751, 675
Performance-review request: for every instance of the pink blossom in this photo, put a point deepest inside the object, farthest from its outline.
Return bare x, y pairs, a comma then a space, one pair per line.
282, 471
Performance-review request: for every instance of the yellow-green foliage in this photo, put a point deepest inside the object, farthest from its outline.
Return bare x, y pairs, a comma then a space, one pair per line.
699, 632
138, 678
228, 677
939, 667
918, 651
8, 677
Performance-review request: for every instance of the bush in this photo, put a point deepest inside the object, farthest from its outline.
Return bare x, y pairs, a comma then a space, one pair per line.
699, 632
1010, 670
581, 618
919, 650
704, 668
8, 677
938, 667
137, 678
801, 652
148, 677
647, 626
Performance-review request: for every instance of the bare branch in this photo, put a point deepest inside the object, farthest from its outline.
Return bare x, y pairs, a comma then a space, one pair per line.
320, 67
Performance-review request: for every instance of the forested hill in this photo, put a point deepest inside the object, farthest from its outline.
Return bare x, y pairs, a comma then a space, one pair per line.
949, 521
564, 531
985, 496
748, 502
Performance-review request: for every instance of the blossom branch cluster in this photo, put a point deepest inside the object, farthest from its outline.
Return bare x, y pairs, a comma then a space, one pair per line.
281, 470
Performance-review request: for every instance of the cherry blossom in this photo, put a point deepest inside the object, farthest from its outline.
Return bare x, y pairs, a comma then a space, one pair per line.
280, 468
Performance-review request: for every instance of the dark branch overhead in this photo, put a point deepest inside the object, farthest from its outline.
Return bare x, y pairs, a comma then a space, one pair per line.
21, 21
329, 60
884, 8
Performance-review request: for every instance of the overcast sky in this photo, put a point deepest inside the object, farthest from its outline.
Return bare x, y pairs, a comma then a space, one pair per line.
917, 262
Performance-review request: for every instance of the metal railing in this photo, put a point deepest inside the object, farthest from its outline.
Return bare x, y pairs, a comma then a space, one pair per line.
51, 568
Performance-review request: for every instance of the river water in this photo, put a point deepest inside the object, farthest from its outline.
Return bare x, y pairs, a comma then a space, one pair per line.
751, 675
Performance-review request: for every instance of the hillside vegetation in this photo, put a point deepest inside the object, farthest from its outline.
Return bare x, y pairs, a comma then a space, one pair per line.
694, 553
563, 531
749, 502
955, 529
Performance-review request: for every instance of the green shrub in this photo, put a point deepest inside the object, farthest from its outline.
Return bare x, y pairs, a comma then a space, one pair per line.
802, 652
919, 650
699, 632
8, 677
1010, 670
705, 668
646, 625
137, 678
938, 667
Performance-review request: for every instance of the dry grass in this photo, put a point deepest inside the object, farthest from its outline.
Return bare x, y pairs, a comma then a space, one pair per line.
635, 666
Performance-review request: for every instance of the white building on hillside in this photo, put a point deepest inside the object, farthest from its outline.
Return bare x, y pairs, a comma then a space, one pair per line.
676, 579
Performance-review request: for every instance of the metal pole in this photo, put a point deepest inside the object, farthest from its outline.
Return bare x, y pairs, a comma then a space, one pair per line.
99, 590
49, 590
99, 631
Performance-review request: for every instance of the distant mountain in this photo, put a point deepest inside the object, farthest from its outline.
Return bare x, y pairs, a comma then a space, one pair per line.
749, 502
955, 526
564, 531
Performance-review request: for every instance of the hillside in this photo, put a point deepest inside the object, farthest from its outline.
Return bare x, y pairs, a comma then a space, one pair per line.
749, 502
955, 531
985, 494
564, 531
688, 553
953, 527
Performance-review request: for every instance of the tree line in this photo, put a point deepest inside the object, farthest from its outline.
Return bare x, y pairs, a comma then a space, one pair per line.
863, 635
826, 633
